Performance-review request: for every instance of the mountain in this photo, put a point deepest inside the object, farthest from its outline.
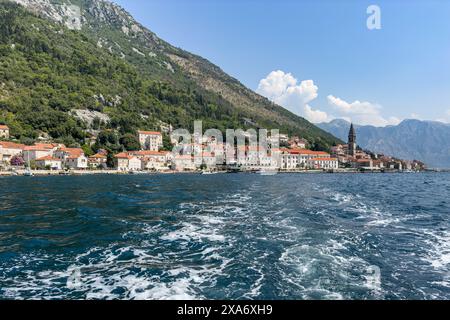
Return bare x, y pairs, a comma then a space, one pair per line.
427, 141
66, 63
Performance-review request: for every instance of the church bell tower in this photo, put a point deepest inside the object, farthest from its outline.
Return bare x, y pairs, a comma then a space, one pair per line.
352, 141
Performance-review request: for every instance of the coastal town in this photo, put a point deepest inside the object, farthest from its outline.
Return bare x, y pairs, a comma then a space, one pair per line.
293, 155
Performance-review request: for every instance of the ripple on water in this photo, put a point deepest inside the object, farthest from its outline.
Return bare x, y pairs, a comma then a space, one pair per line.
172, 237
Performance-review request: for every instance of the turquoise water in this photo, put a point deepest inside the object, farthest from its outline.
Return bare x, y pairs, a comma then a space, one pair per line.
235, 236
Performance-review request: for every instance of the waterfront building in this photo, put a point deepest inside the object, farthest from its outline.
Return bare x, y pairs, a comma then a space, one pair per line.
98, 161
150, 140
153, 160
184, 162
8, 150
127, 162
48, 162
4, 131
292, 159
323, 163
160, 156
209, 160
77, 162
32, 153
72, 158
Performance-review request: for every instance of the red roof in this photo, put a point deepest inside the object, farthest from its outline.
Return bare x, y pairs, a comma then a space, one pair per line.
305, 151
11, 145
124, 155
150, 133
35, 148
73, 152
98, 156
4, 127
49, 158
149, 153
45, 145
324, 159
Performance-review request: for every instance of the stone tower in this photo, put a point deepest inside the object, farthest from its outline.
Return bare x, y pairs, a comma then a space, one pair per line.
352, 141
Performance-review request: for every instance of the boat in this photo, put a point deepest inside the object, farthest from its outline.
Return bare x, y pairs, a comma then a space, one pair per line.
268, 172
136, 172
209, 172
28, 173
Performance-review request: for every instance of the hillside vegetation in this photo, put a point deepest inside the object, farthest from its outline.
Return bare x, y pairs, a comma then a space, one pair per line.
48, 70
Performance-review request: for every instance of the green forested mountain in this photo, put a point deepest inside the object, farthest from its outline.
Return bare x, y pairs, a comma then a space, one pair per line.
57, 57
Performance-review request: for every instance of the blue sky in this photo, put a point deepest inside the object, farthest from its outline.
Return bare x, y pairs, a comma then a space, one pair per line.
369, 76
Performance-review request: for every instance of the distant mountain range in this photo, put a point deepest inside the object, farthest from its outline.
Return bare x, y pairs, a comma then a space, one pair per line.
427, 141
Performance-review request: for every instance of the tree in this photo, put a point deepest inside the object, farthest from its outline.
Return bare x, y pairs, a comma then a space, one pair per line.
17, 161
110, 161
87, 150
167, 143
130, 142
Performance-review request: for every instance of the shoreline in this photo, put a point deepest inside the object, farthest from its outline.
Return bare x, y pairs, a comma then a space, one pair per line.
46, 173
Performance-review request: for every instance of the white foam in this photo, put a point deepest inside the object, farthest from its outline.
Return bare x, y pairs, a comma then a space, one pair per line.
438, 249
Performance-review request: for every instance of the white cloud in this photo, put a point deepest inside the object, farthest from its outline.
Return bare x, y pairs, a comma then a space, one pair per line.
283, 89
315, 116
362, 113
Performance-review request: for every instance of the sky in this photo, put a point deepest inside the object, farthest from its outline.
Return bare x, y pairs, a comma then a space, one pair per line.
318, 58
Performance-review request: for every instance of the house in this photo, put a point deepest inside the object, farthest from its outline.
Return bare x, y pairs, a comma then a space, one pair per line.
32, 153
63, 153
4, 131
284, 138
72, 158
161, 156
297, 143
98, 160
48, 162
209, 160
127, 162
9, 149
366, 164
52, 146
150, 140
77, 162
292, 159
184, 162
149, 163
153, 160
323, 163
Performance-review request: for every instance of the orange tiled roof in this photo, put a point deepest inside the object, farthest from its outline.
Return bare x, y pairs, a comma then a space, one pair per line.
73, 152
122, 155
149, 153
305, 151
4, 127
150, 133
324, 159
35, 148
50, 158
98, 156
45, 145
11, 145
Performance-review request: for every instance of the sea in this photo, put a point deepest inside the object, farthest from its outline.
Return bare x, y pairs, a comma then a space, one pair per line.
226, 236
